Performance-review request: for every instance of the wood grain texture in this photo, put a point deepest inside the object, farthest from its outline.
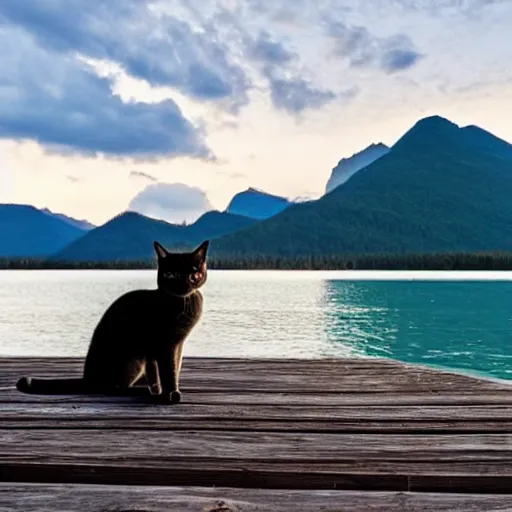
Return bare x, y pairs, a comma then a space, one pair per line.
278, 418
95, 498
249, 399
352, 425
289, 382
297, 376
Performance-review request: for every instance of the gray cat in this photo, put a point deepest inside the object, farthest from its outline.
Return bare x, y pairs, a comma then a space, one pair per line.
137, 346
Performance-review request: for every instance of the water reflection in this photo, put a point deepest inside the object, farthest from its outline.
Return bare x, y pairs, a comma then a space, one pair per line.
465, 325
264, 314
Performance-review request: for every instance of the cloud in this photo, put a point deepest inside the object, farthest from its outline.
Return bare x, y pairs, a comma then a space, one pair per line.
173, 202
64, 105
140, 36
209, 52
399, 59
6, 179
140, 174
289, 90
296, 95
362, 49
438, 6
266, 50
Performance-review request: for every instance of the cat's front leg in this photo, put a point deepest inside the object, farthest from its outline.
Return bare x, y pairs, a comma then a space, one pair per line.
153, 376
178, 359
169, 367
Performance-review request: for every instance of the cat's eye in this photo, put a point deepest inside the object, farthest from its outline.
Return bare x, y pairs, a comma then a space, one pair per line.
169, 275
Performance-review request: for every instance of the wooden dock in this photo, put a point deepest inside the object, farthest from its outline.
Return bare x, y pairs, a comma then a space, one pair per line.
251, 435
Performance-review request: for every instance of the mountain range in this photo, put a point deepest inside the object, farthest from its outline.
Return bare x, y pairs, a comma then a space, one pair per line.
439, 188
29, 232
130, 236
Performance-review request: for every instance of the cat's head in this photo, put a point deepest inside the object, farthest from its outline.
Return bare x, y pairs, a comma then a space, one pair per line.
181, 273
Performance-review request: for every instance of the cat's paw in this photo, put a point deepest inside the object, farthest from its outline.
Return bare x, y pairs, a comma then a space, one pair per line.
24, 384
168, 398
155, 389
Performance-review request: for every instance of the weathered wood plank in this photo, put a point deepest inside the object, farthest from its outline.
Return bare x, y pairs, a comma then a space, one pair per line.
315, 383
95, 498
75, 498
85, 445
385, 419
271, 376
248, 398
271, 460
339, 427
263, 412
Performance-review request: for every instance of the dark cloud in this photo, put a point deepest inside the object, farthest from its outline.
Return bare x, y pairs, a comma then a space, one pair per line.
362, 49
266, 50
296, 95
140, 174
396, 60
354, 43
147, 43
289, 90
173, 202
65, 106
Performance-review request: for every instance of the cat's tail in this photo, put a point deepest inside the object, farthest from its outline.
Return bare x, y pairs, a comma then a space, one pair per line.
75, 387
51, 386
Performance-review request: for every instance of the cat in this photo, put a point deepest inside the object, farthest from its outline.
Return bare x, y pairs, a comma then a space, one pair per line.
137, 346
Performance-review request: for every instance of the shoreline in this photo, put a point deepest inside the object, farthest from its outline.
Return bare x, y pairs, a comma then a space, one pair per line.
470, 261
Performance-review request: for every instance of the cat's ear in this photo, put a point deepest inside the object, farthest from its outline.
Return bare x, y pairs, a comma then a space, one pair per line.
201, 251
160, 250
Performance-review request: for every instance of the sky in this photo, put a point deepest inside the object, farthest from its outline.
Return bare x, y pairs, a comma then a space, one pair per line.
171, 107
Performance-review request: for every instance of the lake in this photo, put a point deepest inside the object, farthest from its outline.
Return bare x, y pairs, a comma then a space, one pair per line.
459, 320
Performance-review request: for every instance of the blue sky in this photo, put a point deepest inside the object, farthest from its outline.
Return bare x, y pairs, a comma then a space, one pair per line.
171, 107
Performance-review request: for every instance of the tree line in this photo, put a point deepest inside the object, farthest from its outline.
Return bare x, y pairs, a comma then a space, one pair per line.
432, 261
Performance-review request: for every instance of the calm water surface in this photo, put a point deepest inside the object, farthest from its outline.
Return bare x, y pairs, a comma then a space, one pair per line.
441, 319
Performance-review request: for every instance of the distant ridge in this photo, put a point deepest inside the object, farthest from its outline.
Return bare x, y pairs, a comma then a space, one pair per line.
29, 232
347, 167
257, 204
80, 224
130, 236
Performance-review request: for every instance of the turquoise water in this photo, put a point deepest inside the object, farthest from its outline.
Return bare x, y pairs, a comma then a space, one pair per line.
440, 319
465, 325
